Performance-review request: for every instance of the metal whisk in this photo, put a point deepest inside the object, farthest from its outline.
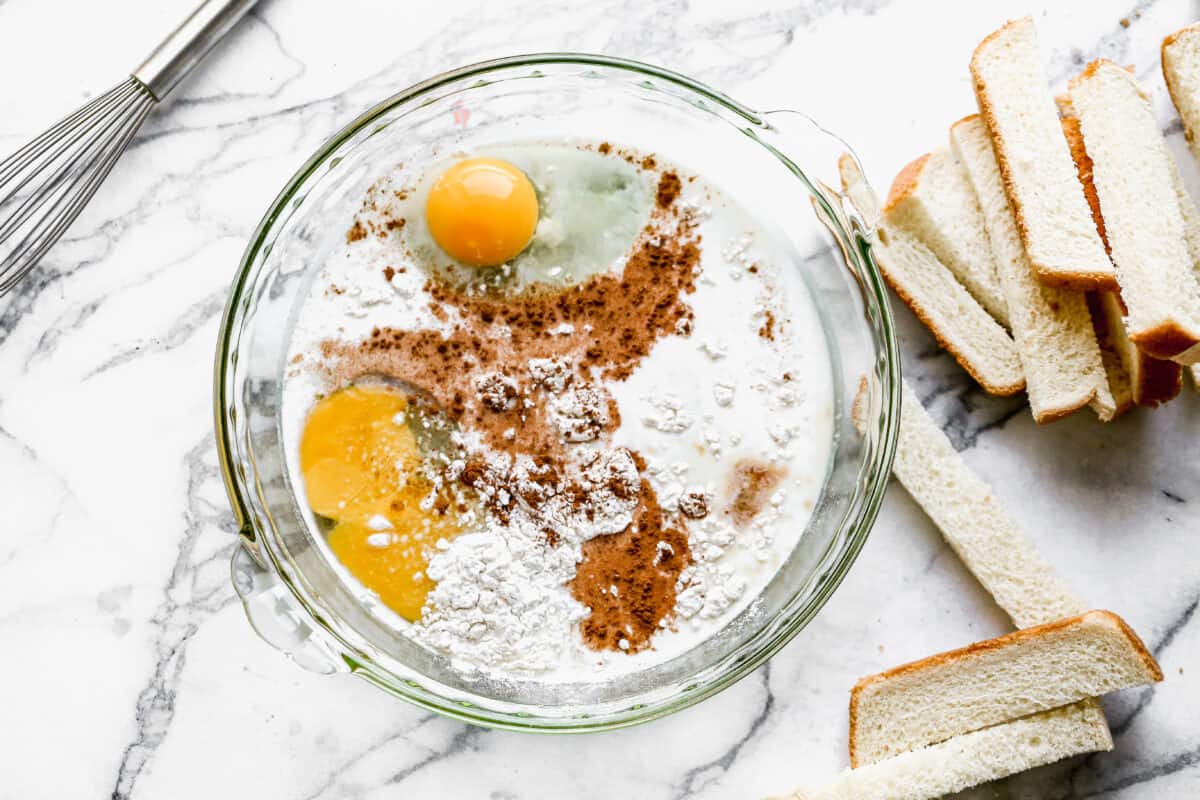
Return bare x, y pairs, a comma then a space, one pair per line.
45, 184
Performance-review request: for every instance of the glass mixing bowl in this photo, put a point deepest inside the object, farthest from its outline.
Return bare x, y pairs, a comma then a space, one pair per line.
779, 165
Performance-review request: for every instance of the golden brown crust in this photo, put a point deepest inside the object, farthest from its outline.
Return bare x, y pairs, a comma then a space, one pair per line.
1080, 281
906, 183
945, 342
1165, 340
965, 120
1167, 42
1054, 415
999, 642
1083, 167
1170, 38
1154, 381
1158, 381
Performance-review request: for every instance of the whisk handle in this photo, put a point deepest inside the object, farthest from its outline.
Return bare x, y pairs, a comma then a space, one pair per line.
183, 49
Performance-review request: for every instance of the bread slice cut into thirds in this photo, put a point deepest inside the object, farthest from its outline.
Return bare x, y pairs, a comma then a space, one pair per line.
1021, 673
1051, 326
1135, 179
1039, 177
973, 758
1181, 70
959, 323
975, 523
932, 200
1134, 377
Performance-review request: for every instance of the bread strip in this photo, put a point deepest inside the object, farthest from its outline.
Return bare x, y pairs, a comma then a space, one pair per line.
1133, 376
973, 758
1011, 676
1052, 326
1136, 184
1191, 226
960, 325
932, 200
975, 524
1039, 178
983, 534
1181, 70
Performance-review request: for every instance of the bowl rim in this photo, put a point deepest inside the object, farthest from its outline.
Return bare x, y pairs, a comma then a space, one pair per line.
877, 468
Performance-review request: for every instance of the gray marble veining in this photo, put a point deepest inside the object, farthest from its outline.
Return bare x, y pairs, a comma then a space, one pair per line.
130, 671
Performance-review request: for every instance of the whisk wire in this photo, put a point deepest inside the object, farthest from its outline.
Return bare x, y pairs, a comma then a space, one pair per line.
32, 248
57, 173
32, 149
46, 183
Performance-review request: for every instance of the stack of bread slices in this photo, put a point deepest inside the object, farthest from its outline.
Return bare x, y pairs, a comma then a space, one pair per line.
1050, 245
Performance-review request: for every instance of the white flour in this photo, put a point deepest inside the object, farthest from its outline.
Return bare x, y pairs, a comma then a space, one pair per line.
703, 401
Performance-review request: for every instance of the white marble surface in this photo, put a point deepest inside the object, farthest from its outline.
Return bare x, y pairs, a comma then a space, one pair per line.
127, 668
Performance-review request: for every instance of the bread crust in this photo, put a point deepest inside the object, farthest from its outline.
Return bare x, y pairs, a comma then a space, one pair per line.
1169, 40
947, 343
906, 183
1157, 381
1101, 616
1167, 340
1080, 281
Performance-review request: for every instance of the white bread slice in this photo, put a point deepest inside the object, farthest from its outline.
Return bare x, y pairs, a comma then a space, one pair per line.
960, 325
1191, 225
932, 200
984, 535
1133, 376
1109, 337
973, 758
975, 524
1039, 178
1135, 181
1152, 381
1181, 70
1011, 676
1052, 326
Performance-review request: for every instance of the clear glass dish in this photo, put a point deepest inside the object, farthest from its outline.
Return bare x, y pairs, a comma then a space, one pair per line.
780, 165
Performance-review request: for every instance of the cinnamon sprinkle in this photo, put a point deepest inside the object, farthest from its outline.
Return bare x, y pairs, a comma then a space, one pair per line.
525, 372
628, 579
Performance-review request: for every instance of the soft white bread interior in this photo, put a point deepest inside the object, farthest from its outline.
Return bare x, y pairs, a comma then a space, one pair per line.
1135, 181
1039, 178
1020, 673
1134, 377
1109, 337
957, 321
1191, 225
932, 200
1181, 70
1051, 326
975, 523
973, 758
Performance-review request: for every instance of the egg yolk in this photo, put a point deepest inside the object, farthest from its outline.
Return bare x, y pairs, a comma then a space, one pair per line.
482, 211
359, 462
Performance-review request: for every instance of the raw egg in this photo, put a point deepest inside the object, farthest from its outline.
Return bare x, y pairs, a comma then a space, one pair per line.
353, 452
482, 211
360, 459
